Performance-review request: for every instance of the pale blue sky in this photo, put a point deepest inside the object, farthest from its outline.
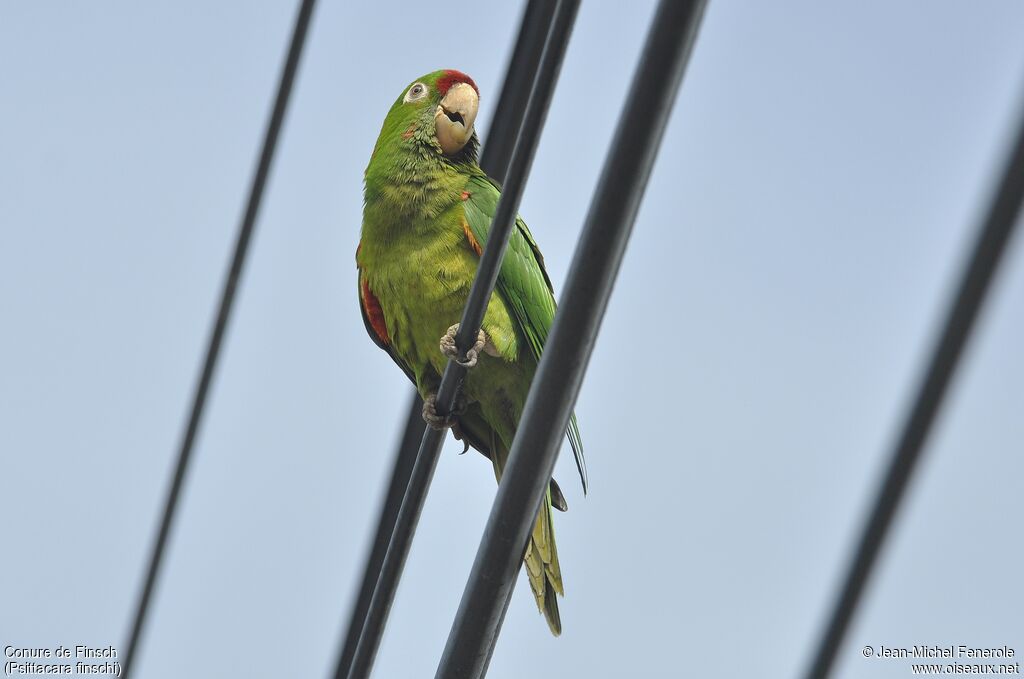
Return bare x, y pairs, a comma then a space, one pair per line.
819, 182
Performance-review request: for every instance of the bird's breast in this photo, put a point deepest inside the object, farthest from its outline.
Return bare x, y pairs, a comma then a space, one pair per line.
422, 288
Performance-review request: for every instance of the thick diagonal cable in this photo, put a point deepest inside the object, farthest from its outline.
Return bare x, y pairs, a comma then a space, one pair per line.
227, 298
501, 138
520, 76
401, 472
472, 318
1002, 216
567, 352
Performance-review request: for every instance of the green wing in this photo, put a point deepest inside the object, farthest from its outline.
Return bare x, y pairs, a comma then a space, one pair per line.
522, 283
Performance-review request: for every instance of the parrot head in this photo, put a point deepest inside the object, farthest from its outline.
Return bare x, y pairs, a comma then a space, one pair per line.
437, 111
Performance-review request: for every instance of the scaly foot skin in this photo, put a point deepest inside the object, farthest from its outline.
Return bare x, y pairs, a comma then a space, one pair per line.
449, 349
435, 420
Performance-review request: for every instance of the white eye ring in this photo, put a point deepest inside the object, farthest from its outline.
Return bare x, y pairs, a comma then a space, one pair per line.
416, 92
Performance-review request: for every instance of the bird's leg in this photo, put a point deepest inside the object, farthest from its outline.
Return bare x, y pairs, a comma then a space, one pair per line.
441, 422
449, 421
449, 349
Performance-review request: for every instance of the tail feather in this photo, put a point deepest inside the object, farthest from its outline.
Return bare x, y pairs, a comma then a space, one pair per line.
541, 556
557, 499
542, 569
551, 611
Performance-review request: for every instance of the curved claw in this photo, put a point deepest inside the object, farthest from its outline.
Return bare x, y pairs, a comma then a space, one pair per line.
449, 349
433, 419
438, 422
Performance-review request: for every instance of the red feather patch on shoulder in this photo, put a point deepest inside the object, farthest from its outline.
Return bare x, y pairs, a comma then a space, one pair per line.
371, 305
450, 77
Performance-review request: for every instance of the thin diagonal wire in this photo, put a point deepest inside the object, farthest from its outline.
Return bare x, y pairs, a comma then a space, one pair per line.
245, 230
993, 236
504, 129
401, 472
472, 317
567, 352
520, 76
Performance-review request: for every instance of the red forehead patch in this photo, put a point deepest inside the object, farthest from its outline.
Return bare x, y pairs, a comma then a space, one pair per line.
451, 77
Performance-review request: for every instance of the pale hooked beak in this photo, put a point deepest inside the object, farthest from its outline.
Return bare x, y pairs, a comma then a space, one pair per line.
454, 117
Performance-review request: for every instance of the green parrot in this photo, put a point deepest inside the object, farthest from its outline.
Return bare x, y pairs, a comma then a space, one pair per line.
428, 210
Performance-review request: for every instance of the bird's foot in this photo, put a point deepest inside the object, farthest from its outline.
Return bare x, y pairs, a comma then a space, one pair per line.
440, 422
449, 349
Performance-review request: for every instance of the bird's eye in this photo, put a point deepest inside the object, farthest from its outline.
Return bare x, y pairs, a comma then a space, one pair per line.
416, 92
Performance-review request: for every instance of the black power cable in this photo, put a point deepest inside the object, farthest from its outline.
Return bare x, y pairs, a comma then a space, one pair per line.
234, 274
571, 341
404, 458
520, 77
993, 235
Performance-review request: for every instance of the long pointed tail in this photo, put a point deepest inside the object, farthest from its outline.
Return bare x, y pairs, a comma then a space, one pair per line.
541, 560
541, 557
